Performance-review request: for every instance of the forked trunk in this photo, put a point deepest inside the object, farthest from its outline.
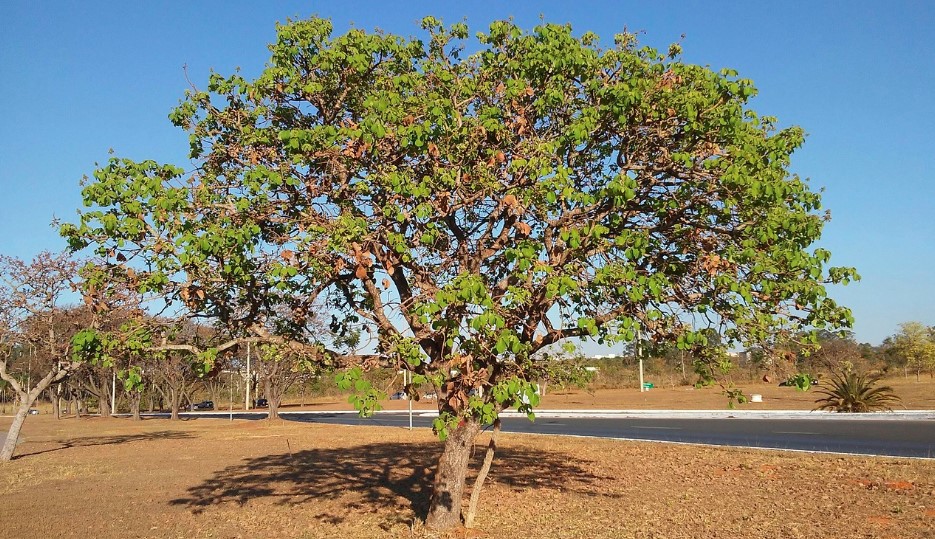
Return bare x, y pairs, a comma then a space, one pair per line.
135, 397
174, 406
448, 490
12, 435
273, 404
175, 402
26, 400
103, 405
273, 398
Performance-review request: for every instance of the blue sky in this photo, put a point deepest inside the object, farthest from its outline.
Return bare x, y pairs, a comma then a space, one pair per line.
79, 78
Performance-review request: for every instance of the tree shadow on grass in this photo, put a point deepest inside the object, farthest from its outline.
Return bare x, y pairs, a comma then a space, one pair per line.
382, 476
92, 441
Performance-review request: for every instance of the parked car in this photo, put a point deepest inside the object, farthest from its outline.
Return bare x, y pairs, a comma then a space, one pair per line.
203, 405
399, 395
261, 403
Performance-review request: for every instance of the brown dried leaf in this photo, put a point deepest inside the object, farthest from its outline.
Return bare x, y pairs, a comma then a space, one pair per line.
523, 228
361, 272
510, 200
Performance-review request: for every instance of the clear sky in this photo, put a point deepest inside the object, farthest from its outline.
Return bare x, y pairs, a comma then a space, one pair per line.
79, 78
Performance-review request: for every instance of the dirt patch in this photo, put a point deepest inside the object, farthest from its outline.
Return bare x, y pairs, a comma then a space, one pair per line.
214, 478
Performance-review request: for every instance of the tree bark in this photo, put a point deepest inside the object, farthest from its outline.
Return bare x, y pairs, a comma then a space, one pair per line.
12, 436
135, 397
56, 400
74, 402
448, 490
103, 404
26, 399
273, 398
273, 412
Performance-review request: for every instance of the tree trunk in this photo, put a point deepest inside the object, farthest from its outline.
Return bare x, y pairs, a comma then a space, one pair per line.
135, 397
56, 402
26, 399
76, 403
175, 401
273, 399
448, 490
215, 392
12, 436
103, 404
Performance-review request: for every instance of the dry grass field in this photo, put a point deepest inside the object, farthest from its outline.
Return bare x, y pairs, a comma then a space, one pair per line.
199, 478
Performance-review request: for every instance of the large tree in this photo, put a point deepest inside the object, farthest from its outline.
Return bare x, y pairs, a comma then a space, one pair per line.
475, 209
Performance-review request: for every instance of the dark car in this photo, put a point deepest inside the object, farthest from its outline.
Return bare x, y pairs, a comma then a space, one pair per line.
261, 403
399, 395
203, 405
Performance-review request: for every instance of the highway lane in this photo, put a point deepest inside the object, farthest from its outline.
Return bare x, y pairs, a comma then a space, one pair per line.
901, 438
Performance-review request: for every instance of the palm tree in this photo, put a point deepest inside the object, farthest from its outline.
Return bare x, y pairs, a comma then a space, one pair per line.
852, 391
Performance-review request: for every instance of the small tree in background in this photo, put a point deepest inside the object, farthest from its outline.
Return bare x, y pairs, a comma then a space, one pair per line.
915, 345
32, 315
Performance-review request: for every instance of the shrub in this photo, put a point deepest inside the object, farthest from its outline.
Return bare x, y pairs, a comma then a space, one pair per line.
853, 391
801, 381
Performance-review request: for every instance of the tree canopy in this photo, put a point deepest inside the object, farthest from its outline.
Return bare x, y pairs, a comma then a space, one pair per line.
473, 209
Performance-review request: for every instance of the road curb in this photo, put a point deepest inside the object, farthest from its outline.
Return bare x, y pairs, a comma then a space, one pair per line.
908, 415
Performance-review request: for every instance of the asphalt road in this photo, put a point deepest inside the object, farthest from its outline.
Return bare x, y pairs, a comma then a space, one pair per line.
898, 438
